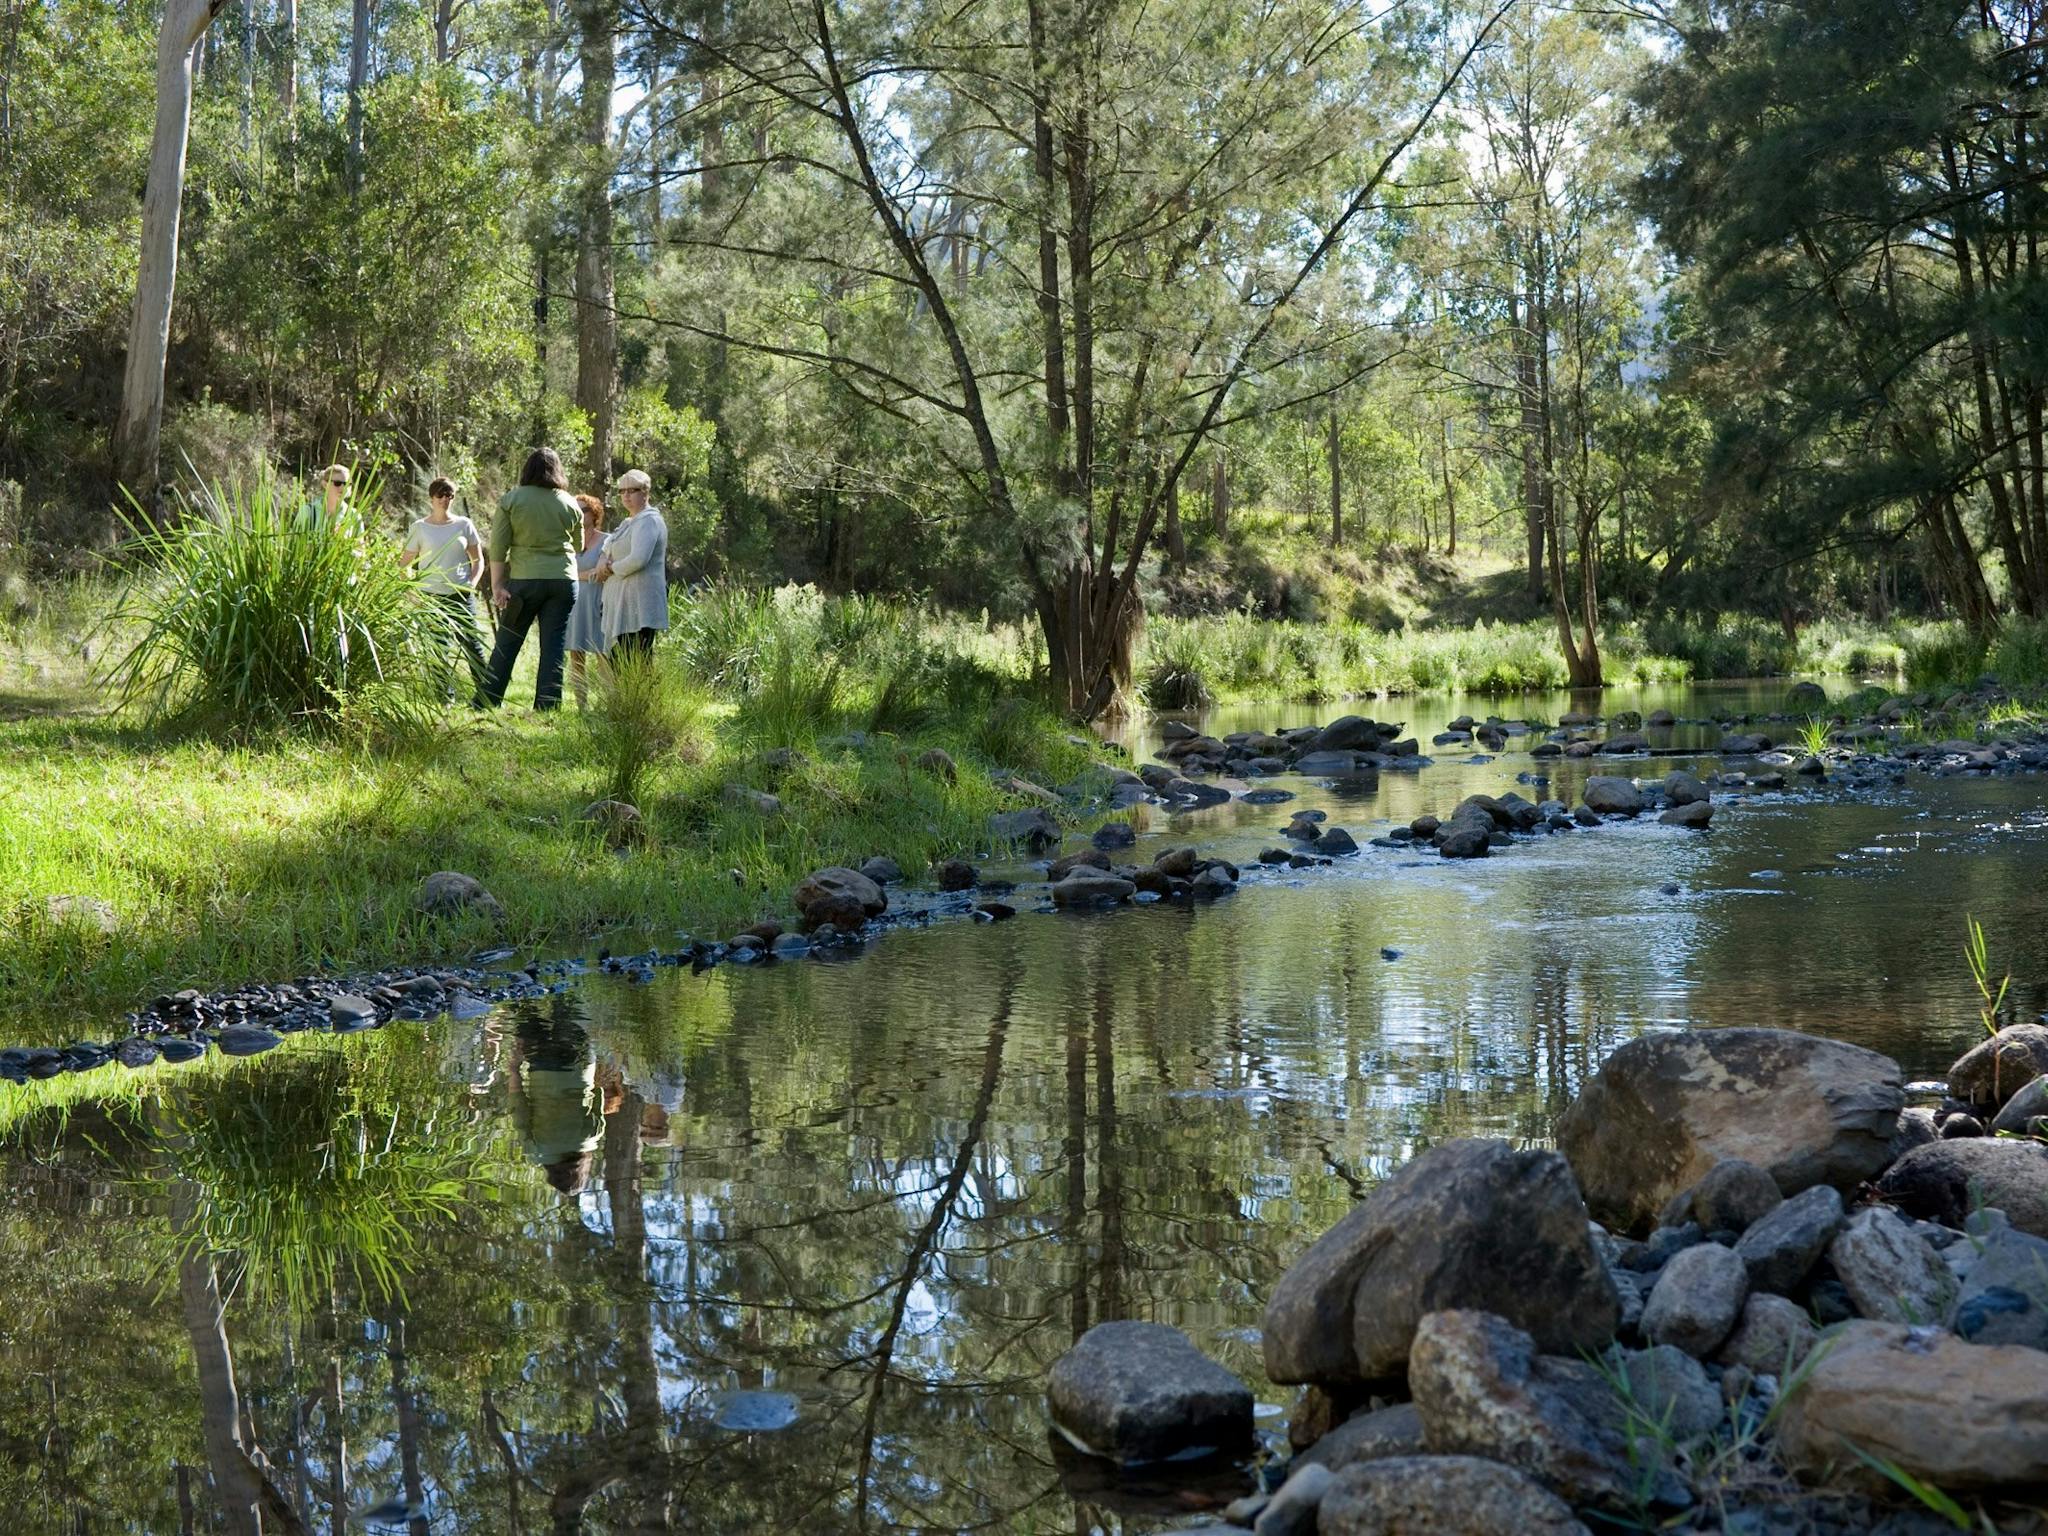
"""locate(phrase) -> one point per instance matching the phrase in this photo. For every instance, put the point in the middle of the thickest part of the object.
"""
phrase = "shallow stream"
(790, 1248)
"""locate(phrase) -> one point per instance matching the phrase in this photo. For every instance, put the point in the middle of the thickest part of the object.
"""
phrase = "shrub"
(243, 619)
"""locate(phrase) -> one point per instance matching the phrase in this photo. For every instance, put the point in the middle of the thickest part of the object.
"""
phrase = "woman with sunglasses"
(450, 557)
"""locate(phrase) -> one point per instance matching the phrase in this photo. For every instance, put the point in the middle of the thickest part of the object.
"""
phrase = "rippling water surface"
(791, 1248)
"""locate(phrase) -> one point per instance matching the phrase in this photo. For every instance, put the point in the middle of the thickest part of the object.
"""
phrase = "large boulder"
(1946, 1180)
(1667, 1106)
(1953, 1414)
(1999, 1066)
(1137, 1392)
(1890, 1271)
(1483, 1390)
(1467, 1224)
(1442, 1496)
(1695, 814)
(843, 897)
(1612, 796)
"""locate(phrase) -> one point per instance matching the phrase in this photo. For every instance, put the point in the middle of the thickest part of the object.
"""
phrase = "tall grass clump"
(1174, 666)
(243, 620)
(2019, 656)
(1944, 654)
(645, 710)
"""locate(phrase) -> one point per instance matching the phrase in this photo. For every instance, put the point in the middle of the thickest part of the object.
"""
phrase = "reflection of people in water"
(560, 1097)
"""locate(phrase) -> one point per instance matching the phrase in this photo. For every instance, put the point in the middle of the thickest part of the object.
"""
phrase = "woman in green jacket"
(533, 577)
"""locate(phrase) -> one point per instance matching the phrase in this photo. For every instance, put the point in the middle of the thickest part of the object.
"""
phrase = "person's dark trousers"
(638, 642)
(462, 630)
(546, 603)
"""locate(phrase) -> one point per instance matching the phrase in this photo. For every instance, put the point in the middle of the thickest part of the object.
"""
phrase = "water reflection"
(792, 1248)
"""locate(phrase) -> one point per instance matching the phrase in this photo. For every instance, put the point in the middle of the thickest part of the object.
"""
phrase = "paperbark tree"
(139, 428)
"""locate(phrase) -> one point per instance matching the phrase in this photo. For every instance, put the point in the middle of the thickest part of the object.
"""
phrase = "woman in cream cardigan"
(634, 570)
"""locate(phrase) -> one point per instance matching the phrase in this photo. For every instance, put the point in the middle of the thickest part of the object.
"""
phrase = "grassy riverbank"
(196, 861)
(136, 859)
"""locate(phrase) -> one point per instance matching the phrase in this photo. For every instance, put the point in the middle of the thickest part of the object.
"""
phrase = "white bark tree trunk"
(597, 324)
(140, 424)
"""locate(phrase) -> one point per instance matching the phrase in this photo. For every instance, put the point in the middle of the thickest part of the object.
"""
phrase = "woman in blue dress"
(586, 619)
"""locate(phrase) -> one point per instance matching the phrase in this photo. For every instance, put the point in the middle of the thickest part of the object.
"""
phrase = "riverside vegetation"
(281, 773)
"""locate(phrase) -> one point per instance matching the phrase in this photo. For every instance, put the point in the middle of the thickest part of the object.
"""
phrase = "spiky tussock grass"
(246, 616)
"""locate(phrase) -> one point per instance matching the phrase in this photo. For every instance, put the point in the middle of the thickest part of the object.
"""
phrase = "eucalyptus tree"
(1055, 236)
(139, 428)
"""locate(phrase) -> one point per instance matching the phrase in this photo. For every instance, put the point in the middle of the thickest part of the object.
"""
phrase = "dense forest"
(1067, 309)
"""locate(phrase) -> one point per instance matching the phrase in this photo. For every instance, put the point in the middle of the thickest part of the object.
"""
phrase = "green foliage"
(674, 446)
(1813, 737)
(245, 617)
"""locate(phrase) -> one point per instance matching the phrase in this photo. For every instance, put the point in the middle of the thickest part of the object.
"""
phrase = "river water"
(792, 1248)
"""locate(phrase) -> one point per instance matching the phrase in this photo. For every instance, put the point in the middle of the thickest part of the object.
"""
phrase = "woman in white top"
(586, 619)
(634, 570)
(450, 557)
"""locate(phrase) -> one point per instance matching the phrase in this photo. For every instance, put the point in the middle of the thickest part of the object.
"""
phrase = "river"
(790, 1248)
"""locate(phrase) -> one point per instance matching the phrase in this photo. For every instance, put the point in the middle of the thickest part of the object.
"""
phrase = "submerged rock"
(1664, 1108)
(1136, 1392)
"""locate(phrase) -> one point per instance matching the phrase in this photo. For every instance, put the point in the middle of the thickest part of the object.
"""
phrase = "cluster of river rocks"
(1752, 1291)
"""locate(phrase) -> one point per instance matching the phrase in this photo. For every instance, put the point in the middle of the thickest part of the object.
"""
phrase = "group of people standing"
(550, 563)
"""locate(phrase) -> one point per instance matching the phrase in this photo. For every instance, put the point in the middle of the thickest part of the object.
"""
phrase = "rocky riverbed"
(1755, 1289)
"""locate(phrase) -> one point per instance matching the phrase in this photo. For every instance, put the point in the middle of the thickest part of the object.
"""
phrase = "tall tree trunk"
(358, 78)
(1336, 483)
(1535, 518)
(597, 322)
(1450, 494)
(139, 427)
(1176, 537)
(247, 83)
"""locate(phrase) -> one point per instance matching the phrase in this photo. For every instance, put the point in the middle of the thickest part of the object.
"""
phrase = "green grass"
(269, 855)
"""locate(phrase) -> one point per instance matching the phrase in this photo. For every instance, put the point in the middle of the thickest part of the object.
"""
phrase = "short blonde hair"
(335, 474)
